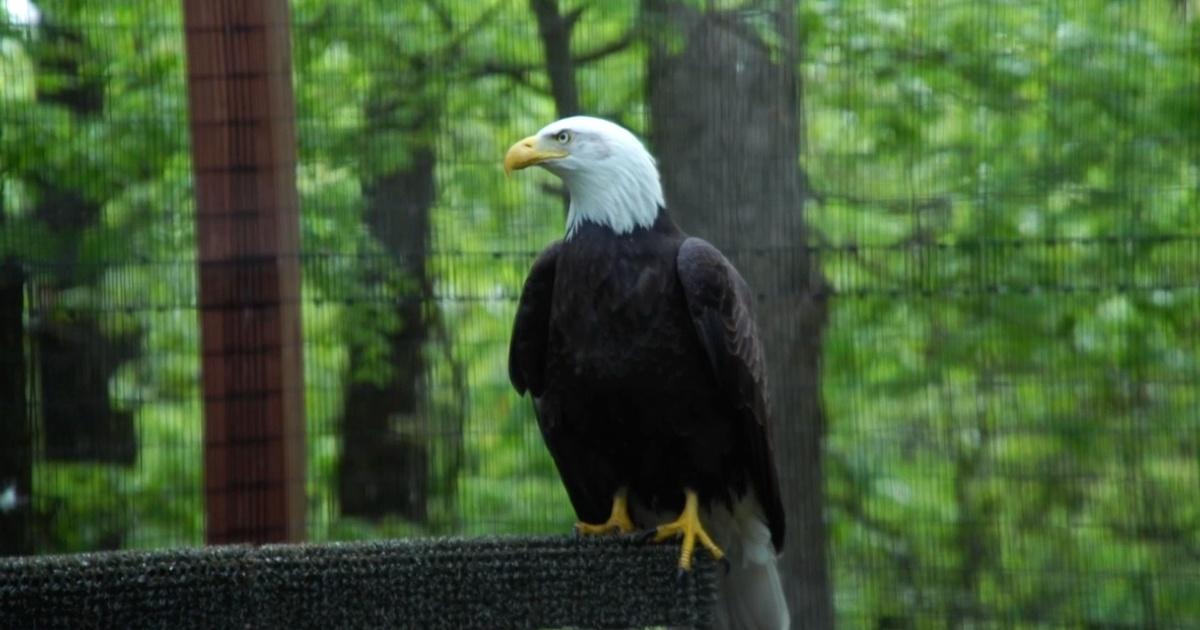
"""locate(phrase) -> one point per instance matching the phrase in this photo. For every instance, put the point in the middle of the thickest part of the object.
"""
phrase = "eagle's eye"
(563, 137)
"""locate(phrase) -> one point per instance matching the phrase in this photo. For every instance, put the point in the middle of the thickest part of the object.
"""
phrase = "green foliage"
(1006, 206)
(1009, 201)
(132, 160)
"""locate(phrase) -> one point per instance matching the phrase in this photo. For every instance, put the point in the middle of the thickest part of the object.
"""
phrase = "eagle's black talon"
(681, 577)
(727, 564)
(645, 536)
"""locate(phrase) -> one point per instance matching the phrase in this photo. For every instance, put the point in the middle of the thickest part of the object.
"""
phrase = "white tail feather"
(751, 594)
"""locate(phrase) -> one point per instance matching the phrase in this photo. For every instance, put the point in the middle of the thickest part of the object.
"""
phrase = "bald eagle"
(638, 346)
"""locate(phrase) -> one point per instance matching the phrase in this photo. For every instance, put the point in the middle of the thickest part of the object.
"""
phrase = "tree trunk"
(385, 467)
(75, 359)
(555, 31)
(16, 454)
(725, 124)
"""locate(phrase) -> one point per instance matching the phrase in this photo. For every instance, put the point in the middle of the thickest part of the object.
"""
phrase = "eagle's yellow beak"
(529, 152)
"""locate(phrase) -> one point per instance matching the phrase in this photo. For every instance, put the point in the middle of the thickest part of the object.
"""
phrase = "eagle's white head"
(611, 177)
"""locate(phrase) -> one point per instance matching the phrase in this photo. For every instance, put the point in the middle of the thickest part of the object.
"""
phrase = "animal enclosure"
(972, 230)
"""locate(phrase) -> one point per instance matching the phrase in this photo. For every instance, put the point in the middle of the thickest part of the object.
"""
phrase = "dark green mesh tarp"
(417, 583)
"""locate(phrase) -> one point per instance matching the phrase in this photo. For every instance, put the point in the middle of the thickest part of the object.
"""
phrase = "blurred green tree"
(76, 358)
(95, 171)
(1008, 199)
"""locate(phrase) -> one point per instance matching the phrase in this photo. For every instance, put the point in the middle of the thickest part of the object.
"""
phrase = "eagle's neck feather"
(623, 196)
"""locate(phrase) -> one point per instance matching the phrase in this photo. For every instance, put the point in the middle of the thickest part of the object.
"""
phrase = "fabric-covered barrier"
(509, 582)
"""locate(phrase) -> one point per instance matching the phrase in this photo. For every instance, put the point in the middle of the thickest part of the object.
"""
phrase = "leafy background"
(1005, 199)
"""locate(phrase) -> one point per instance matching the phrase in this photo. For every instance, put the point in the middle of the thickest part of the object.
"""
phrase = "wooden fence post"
(247, 226)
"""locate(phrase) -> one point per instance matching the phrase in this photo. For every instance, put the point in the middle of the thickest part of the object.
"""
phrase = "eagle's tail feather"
(751, 593)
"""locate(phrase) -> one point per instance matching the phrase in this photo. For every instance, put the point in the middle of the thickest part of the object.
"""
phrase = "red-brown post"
(247, 226)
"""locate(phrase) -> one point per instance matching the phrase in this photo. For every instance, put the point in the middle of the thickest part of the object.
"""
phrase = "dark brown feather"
(721, 306)
(531, 326)
(642, 356)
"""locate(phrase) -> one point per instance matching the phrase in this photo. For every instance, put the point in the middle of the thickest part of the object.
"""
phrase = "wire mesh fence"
(973, 230)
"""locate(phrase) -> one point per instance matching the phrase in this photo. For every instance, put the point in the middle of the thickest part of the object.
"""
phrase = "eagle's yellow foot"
(618, 521)
(688, 526)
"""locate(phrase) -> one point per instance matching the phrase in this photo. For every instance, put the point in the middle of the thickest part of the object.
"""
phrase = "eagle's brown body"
(640, 350)
(641, 356)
